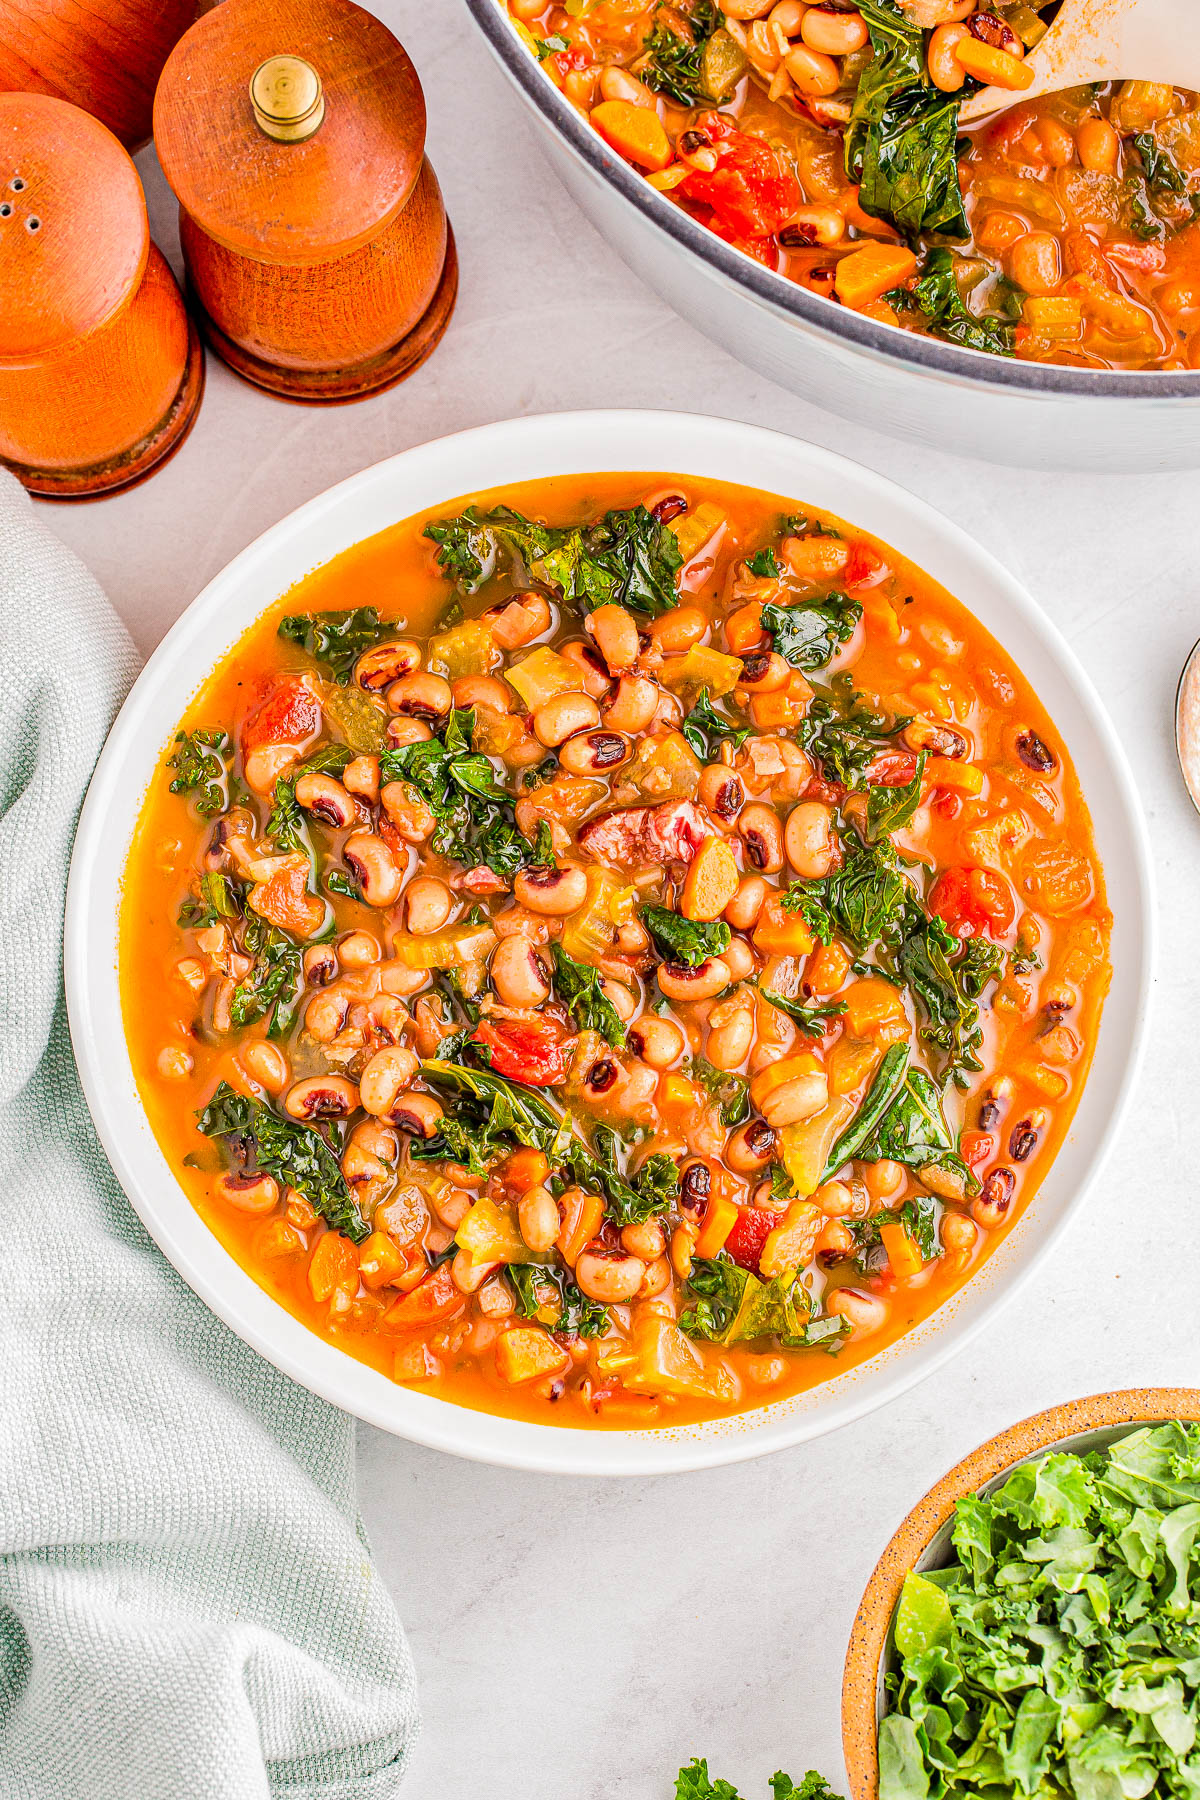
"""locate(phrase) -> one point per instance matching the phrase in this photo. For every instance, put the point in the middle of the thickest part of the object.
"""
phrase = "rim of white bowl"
(424, 478)
(930, 356)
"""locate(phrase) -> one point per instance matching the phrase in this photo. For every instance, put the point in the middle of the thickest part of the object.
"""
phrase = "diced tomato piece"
(574, 58)
(865, 568)
(892, 768)
(528, 1050)
(750, 191)
(1004, 137)
(946, 803)
(745, 1242)
(436, 1299)
(976, 1147)
(832, 793)
(973, 901)
(289, 713)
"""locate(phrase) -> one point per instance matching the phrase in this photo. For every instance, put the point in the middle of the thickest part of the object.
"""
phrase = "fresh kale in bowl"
(1058, 1654)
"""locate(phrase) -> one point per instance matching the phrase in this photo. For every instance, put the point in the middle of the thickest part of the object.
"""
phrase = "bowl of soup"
(796, 181)
(605, 969)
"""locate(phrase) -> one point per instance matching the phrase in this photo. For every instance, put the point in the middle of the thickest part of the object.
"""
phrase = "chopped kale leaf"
(688, 942)
(295, 1155)
(337, 639)
(198, 761)
(810, 635)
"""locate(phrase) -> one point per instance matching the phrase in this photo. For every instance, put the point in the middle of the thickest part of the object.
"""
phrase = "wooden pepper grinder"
(319, 257)
(103, 55)
(101, 371)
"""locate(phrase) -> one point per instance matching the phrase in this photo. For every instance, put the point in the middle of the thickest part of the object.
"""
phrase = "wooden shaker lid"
(290, 198)
(74, 237)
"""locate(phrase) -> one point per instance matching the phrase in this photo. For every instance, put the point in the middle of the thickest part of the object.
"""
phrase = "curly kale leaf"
(706, 729)
(580, 989)
(199, 763)
(938, 296)
(625, 558)
(810, 635)
(552, 1298)
(474, 813)
(295, 1155)
(688, 942)
(337, 639)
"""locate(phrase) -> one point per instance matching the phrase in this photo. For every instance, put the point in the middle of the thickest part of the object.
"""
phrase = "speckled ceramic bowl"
(923, 1541)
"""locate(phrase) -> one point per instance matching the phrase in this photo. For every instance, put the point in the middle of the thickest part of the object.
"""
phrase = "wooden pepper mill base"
(125, 471)
(328, 387)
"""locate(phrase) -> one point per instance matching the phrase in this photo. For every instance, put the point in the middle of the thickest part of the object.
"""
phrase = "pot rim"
(1121, 1412)
(882, 343)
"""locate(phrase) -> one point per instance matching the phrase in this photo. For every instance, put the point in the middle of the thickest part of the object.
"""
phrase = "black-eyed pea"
(612, 1280)
(865, 1313)
(595, 677)
(518, 974)
(385, 1078)
(451, 1204)
(421, 696)
(265, 1063)
(739, 959)
(614, 632)
(401, 732)
(750, 1147)
(539, 1220)
(519, 621)
(266, 764)
(721, 792)
(361, 777)
(428, 904)
(679, 629)
(764, 671)
(249, 1193)
(594, 752)
(815, 74)
(375, 868)
(945, 70)
(658, 1042)
(836, 1200)
(359, 950)
(958, 1233)
(991, 1205)
(743, 910)
(647, 1240)
(619, 84)
(327, 800)
(468, 1275)
(407, 811)
(398, 977)
(321, 1097)
(632, 706)
(482, 690)
(833, 32)
(636, 1088)
(656, 1280)
(378, 668)
(730, 1035)
(809, 840)
(884, 1178)
(320, 965)
(551, 892)
(709, 978)
(683, 1243)
(420, 1115)
(620, 996)
(759, 829)
(174, 1063)
(561, 717)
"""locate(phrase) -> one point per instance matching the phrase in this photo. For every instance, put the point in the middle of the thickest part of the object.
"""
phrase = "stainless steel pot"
(1033, 415)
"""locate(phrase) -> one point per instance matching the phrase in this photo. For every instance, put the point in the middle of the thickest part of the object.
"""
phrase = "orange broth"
(915, 651)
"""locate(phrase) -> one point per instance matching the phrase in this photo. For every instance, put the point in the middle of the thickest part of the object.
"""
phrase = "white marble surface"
(579, 1640)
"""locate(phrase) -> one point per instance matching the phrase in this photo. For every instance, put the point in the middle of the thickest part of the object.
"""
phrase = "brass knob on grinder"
(287, 97)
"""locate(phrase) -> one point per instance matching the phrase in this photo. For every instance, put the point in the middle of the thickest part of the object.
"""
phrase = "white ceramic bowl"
(1034, 415)
(423, 479)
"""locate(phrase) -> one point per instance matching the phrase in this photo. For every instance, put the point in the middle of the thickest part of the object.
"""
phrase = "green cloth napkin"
(188, 1607)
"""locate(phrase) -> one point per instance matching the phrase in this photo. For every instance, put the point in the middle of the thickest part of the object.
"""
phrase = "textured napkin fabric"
(188, 1608)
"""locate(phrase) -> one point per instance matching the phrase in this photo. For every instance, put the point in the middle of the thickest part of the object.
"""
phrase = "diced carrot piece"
(995, 68)
(677, 1098)
(778, 1074)
(711, 881)
(902, 1253)
(868, 273)
(828, 967)
(875, 1008)
(526, 1352)
(720, 1217)
(636, 132)
(744, 628)
(963, 777)
(781, 933)
(525, 1169)
(380, 1260)
(778, 711)
(436, 1299)
(333, 1265)
(583, 1216)
(999, 230)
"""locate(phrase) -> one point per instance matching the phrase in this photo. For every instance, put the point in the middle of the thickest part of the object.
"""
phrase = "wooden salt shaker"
(293, 133)
(103, 55)
(101, 372)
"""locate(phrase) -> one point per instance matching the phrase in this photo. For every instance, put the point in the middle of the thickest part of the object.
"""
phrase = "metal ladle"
(1106, 40)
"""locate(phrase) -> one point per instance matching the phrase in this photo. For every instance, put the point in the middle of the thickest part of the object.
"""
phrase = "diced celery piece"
(542, 676)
